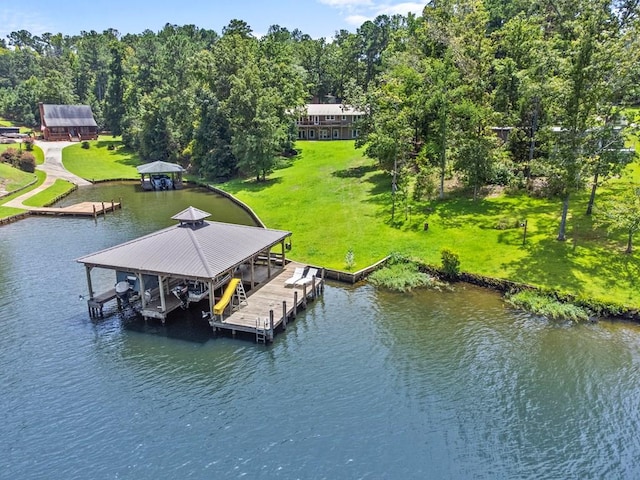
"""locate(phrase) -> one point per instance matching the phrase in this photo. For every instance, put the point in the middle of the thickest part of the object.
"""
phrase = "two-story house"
(328, 121)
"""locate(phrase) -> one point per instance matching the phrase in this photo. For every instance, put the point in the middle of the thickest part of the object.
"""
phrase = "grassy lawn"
(12, 179)
(49, 195)
(99, 163)
(335, 200)
(8, 211)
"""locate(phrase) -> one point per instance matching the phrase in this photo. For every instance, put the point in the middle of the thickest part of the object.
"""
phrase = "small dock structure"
(272, 305)
(241, 270)
(82, 209)
(160, 176)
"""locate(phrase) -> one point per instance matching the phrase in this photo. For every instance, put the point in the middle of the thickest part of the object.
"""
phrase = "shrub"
(547, 306)
(28, 144)
(27, 162)
(450, 263)
(349, 259)
(85, 145)
(10, 156)
(402, 274)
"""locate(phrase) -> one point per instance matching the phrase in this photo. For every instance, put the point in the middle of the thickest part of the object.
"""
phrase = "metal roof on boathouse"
(195, 248)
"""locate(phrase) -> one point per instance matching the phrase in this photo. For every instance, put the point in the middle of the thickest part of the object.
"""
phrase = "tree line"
(556, 77)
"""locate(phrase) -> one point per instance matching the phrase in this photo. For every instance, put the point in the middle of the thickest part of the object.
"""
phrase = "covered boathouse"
(160, 176)
(196, 260)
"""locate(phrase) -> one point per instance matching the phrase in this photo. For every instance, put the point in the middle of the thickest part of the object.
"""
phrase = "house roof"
(159, 167)
(331, 109)
(203, 251)
(68, 116)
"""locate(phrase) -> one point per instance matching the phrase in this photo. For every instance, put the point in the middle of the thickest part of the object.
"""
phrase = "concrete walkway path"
(54, 169)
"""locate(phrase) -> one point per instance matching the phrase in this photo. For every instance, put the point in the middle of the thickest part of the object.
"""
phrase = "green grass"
(12, 179)
(335, 200)
(99, 163)
(9, 211)
(50, 194)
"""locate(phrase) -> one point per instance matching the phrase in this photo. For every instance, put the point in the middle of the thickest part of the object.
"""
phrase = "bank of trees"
(554, 75)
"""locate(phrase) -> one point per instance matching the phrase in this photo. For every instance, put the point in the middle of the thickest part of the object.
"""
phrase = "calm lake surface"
(364, 384)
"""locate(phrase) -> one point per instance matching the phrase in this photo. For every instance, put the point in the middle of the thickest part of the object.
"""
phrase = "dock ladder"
(261, 331)
(240, 296)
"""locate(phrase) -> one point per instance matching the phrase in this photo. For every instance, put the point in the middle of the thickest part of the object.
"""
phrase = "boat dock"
(270, 306)
(82, 209)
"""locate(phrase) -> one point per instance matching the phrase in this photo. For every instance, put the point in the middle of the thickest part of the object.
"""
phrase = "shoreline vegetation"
(331, 190)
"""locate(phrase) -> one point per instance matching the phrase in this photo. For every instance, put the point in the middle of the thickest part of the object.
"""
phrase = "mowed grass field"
(334, 200)
(98, 162)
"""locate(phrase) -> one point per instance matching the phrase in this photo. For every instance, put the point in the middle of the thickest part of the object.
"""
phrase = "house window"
(336, 134)
(344, 117)
(355, 133)
(312, 134)
(324, 133)
(330, 117)
(316, 119)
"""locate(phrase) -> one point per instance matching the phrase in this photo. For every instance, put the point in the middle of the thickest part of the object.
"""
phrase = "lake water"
(364, 384)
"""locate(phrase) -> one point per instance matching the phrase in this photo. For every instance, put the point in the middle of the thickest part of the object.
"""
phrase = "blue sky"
(318, 18)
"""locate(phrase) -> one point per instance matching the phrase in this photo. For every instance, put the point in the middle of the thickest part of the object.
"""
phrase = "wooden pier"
(83, 209)
(271, 306)
(96, 304)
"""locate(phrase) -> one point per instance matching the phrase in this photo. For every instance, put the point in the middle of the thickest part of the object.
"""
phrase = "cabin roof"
(203, 251)
(159, 167)
(68, 116)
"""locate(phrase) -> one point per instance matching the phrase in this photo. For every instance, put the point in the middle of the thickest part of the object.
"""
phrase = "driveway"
(54, 169)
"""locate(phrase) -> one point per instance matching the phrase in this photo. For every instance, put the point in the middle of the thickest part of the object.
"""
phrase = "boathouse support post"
(143, 299)
(313, 288)
(295, 304)
(269, 264)
(161, 289)
(211, 300)
(304, 295)
(253, 272)
(89, 284)
(284, 314)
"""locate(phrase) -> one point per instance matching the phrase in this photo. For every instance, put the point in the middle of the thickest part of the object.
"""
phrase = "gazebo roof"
(159, 167)
(191, 214)
(203, 251)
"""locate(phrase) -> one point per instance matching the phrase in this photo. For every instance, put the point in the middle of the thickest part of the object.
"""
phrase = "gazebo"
(160, 176)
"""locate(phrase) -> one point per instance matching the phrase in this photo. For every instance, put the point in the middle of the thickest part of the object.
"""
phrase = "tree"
(608, 156)
(623, 214)
(114, 110)
(588, 37)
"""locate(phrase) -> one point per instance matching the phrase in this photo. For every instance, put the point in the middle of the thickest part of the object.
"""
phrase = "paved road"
(54, 169)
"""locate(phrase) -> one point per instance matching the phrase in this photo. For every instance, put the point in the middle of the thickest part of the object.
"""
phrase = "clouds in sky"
(13, 19)
(356, 12)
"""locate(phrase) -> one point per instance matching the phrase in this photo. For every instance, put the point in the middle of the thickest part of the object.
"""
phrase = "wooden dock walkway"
(270, 306)
(83, 209)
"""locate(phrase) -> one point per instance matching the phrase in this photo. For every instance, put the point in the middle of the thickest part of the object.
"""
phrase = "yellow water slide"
(226, 297)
